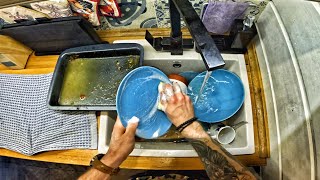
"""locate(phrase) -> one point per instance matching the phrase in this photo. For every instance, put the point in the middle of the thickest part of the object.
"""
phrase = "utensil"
(224, 134)
(239, 124)
(138, 96)
(222, 97)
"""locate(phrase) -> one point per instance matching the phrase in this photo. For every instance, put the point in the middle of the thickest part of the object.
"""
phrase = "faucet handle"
(248, 21)
(164, 43)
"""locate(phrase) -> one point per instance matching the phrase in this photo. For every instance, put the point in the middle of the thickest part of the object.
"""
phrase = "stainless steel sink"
(189, 61)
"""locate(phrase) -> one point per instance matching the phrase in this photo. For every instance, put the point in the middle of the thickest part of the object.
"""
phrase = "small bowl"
(189, 75)
(178, 78)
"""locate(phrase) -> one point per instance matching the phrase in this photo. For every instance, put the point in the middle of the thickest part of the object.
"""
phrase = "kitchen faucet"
(203, 41)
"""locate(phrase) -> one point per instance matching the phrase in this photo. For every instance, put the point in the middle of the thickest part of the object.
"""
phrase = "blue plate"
(138, 96)
(222, 96)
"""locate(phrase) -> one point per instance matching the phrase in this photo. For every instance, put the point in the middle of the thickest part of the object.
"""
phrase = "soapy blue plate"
(138, 96)
(222, 96)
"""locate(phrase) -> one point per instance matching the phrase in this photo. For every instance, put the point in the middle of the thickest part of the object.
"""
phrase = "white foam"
(156, 134)
(134, 119)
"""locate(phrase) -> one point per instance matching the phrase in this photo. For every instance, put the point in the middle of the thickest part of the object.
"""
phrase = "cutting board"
(13, 54)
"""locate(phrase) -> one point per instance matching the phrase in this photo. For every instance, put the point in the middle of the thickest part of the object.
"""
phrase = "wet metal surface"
(94, 81)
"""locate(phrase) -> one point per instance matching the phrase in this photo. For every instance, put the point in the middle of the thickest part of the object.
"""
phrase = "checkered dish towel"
(27, 126)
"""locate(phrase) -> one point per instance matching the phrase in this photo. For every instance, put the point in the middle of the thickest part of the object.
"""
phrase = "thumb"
(132, 126)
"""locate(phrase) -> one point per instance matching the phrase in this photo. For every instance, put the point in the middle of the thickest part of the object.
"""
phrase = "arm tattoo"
(217, 165)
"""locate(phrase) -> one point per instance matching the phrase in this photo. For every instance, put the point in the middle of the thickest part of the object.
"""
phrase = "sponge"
(160, 91)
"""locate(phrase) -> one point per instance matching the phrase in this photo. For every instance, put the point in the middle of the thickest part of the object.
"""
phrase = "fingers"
(163, 102)
(167, 95)
(168, 90)
(132, 126)
(189, 103)
(161, 87)
(180, 97)
(178, 93)
(118, 128)
(176, 88)
(172, 97)
(163, 98)
(170, 94)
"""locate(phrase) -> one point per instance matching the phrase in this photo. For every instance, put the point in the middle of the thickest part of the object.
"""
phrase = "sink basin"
(189, 61)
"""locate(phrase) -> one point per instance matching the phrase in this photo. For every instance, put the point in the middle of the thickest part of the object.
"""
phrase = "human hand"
(176, 105)
(179, 108)
(121, 144)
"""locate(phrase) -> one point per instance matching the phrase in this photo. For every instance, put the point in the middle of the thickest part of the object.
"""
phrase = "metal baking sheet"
(87, 78)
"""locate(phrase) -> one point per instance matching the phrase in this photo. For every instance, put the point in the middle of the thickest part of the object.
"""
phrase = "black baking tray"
(92, 77)
(52, 36)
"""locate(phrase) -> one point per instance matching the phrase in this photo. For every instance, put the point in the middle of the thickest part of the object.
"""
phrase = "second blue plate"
(222, 96)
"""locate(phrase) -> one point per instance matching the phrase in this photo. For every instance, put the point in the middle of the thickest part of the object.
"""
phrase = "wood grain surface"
(10, 46)
(46, 64)
(258, 102)
(13, 51)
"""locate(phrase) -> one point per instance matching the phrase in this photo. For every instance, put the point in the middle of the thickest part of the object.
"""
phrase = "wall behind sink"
(288, 49)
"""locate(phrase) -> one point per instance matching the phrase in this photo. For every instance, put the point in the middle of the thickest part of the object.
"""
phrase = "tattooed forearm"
(218, 163)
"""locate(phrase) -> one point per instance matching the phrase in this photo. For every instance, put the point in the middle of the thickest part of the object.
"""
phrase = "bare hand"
(179, 108)
(121, 145)
(177, 105)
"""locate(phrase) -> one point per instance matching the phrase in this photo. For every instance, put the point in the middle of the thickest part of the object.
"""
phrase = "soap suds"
(156, 134)
(161, 96)
(134, 119)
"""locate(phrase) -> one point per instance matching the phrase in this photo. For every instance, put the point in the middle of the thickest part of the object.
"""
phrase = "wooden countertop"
(46, 64)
